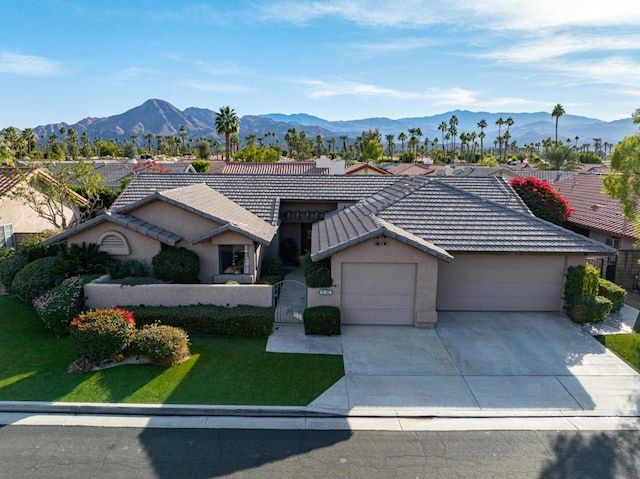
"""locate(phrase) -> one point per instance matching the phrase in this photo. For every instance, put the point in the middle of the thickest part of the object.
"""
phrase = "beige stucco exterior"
(390, 251)
(504, 282)
(25, 220)
(189, 226)
(625, 242)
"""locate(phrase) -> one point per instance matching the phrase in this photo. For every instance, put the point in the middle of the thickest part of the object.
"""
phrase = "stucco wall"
(393, 252)
(25, 220)
(509, 282)
(625, 243)
(108, 295)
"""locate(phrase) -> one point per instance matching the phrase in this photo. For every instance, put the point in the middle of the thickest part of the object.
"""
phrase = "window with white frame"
(7, 239)
(613, 241)
(233, 259)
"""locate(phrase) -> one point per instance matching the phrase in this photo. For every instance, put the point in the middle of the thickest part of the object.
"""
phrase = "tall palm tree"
(444, 128)
(557, 112)
(30, 137)
(227, 124)
(149, 137)
(402, 137)
(344, 139)
(183, 135)
(482, 124)
(453, 129)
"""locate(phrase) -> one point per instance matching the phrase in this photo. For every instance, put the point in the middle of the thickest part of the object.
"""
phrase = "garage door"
(378, 293)
(501, 283)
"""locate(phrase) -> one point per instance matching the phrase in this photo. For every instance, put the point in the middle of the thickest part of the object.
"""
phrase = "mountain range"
(162, 118)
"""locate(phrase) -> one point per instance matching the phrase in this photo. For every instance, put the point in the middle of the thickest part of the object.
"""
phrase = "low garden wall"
(101, 295)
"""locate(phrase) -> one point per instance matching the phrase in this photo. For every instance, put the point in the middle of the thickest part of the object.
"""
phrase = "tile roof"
(8, 181)
(550, 176)
(262, 194)
(411, 169)
(593, 209)
(130, 222)
(208, 203)
(279, 168)
(445, 215)
(351, 169)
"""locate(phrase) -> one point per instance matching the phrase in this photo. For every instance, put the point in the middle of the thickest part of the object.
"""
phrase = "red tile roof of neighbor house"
(351, 169)
(279, 168)
(412, 169)
(8, 181)
(593, 209)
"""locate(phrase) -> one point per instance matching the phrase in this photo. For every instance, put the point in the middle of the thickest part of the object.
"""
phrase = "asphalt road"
(84, 452)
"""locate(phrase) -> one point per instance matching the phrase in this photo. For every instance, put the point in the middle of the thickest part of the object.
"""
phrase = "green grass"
(626, 346)
(222, 370)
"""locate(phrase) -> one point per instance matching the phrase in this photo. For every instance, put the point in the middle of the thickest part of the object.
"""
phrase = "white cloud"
(488, 14)
(393, 46)
(617, 70)
(28, 65)
(215, 87)
(132, 72)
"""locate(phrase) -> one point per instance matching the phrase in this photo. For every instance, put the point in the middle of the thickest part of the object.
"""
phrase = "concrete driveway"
(479, 364)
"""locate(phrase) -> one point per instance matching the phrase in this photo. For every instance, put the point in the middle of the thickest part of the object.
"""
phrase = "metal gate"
(289, 301)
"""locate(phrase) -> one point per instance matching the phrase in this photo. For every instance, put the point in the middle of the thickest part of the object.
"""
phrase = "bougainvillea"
(103, 333)
(59, 305)
(542, 199)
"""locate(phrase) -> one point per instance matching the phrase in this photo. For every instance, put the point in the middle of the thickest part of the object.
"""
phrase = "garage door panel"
(501, 283)
(378, 293)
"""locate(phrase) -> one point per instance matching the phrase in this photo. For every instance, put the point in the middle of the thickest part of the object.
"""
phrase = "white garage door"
(378, 293)
(501, 283)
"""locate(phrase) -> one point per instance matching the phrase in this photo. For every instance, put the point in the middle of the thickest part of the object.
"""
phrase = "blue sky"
(64, 60)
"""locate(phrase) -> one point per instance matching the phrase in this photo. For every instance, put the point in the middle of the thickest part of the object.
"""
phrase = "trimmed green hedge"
(35, 279)
(323, 320)
(251, 321)
(616, 294)
(9, 269)
(177, 265)
(589, 309)
(163, 345)
(318, 274)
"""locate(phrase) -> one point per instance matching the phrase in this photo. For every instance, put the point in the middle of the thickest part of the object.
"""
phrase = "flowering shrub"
(163, 345)
(542, 199)
(102, 334)
(150, 165)
(59, 305)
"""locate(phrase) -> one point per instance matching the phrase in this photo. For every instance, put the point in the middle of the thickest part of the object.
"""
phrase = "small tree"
(542, 199)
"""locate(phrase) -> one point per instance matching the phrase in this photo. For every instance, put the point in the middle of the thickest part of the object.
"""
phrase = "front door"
(305, 237)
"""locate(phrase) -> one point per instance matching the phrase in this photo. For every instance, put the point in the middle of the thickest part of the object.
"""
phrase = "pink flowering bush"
(102, 334)
(59, 305)
(163, 345)
(542, 199)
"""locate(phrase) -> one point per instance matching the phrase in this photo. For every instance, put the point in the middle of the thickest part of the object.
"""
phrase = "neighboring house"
(599, 217)
(508, 173)
(18, 221)
(113, 173)
(401, 249)
(365, 169)
(279, 168)
(412, 169)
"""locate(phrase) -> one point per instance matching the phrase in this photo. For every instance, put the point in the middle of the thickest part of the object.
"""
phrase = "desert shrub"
(616, 294)
(163, 345)
(77, 259)
(231, 281)
(9, 268)
(272, 267)
(58, 306)
(324, 320)
(201, 166)
(177, 265)
(251, 321)
(6, 253)
(317, 274)
(127, 268)
(289, 251)
(102, 334)
(581, 280)
(589, 309)
(33, 249)
(35, 279)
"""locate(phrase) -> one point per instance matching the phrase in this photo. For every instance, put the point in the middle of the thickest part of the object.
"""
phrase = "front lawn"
(222, 370)
(627, 346)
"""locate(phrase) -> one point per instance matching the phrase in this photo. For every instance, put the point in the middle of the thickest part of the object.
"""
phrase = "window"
(6, 236)
(613, 242)
(234, 259)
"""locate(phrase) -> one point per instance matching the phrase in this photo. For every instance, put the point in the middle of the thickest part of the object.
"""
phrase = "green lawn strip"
(626, 346)
(222, 370)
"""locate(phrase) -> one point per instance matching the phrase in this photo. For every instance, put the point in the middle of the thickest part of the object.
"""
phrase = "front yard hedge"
(589, 309)
(9, 268)
(35, 279)
(616, 294)
(322, 320)
(249, 321)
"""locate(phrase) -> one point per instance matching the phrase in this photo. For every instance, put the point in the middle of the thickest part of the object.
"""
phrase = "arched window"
(114, 243)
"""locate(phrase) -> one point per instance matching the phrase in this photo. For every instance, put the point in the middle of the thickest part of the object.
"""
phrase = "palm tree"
(344, 139)
(72, 140)
(319, 145)
(482, 124)
(84, 141)
(390, 144)
(575, 148)
(557, 112)
(149, 137)
(402, 137)
(443, 127)
(30, 137)
(559, 158)
(453, 129)
(227, 124)
(183, 135)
